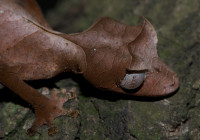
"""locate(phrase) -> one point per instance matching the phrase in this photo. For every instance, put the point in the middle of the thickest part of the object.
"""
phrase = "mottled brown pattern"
(30, 50)
(114, 49)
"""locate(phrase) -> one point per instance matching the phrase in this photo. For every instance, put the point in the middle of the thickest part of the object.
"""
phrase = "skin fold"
(110, 55)
(115, 50)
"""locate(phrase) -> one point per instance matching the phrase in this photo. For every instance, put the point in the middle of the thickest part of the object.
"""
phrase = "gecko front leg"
(46, 109)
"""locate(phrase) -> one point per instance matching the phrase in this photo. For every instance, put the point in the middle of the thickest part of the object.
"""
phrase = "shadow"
(87, 90)
(45, 5)
(6, 95)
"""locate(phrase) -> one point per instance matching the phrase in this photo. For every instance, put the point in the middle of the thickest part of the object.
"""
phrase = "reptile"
(110, 55)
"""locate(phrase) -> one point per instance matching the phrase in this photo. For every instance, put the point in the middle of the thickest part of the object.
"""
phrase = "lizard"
(110, 55)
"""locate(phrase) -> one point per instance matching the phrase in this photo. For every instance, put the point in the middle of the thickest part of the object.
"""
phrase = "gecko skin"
(110, 55)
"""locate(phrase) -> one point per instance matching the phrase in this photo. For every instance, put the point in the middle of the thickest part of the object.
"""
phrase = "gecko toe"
(52, 129)
(52, 109)
(54, 94)
(36, 124)
(72, 113)
(31, 132)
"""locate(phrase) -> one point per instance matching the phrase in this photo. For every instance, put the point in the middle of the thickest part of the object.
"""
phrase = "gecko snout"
(172, 86)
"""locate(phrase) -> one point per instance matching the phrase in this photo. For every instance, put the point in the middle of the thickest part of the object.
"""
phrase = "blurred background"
(109, 116)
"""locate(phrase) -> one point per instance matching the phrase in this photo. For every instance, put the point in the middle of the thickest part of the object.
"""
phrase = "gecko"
(111, 55)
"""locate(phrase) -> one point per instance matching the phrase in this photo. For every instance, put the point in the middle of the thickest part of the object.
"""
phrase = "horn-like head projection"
(124, 59)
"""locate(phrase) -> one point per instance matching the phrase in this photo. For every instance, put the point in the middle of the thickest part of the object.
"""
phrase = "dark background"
(109, 116)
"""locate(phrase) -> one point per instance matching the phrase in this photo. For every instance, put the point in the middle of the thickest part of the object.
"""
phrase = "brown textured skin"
(27, 52)
(114, 49)
(30, 50)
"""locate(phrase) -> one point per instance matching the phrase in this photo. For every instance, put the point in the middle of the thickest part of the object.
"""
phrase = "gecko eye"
(132, 81)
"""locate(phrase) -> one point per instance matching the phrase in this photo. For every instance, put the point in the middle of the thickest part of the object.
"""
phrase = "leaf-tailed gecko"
(110, 55)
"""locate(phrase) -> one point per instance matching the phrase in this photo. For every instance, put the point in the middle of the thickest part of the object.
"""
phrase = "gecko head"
(124, 59)
(147, 75)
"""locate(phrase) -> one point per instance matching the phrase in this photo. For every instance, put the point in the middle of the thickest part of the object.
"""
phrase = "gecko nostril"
(157, 69)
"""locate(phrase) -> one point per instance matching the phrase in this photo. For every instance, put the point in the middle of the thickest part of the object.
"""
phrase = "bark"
(110, 116)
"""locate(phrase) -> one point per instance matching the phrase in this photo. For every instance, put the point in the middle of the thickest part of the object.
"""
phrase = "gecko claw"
(72, 113)
(52, 131)
(31, 132)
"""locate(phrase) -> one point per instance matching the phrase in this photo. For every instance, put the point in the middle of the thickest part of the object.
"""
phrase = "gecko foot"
(47, 112)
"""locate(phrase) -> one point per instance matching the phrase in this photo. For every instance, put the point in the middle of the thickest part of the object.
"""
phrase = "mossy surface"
(111, 116)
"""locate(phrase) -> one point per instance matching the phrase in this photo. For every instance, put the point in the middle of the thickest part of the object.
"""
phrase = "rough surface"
(111, 116)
